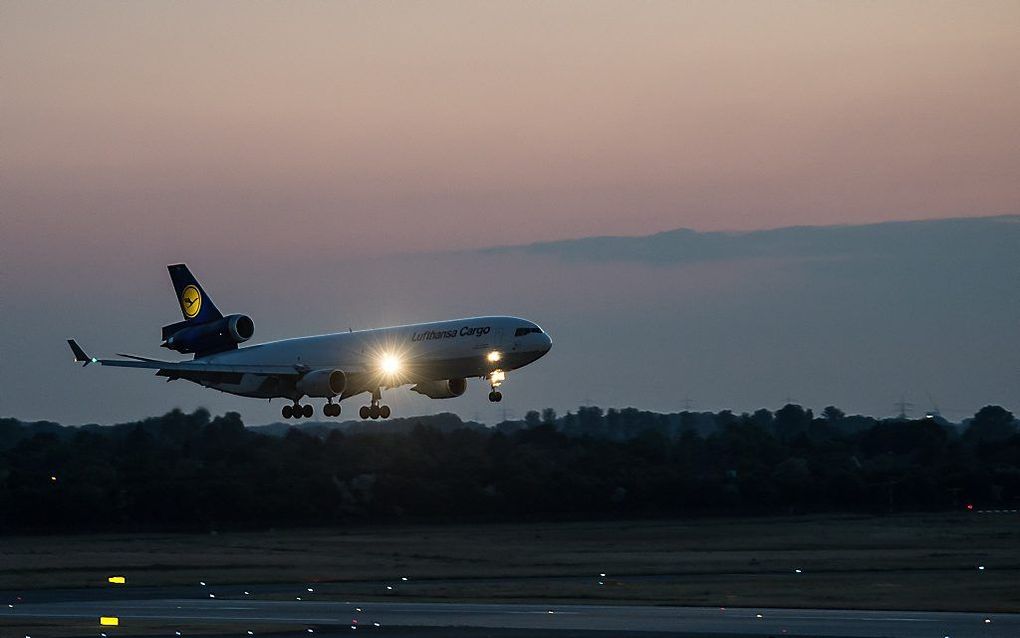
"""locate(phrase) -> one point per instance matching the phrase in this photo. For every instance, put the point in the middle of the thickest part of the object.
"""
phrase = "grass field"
(924, 562)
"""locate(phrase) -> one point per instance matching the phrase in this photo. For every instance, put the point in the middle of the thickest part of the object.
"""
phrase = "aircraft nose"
(546, 342)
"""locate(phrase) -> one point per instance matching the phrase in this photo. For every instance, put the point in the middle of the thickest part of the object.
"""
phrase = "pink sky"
(260, 129)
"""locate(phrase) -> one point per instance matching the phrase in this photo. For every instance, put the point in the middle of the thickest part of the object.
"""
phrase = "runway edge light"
(117, 580)
(109, 621)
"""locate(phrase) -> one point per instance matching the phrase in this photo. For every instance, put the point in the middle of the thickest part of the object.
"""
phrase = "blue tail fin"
(196, 306)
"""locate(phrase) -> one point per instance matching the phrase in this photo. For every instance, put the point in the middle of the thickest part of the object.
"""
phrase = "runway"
(332, 618)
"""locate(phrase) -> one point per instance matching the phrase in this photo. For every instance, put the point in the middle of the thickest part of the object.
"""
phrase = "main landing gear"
(375, 411)
(331, 409)
(496, 379)
(297, 411)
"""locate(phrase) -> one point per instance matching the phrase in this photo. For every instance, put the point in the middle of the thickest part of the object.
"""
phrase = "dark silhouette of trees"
(532, 419)
(791, 421)
(833, 414)
(992, 424)
(194, 471)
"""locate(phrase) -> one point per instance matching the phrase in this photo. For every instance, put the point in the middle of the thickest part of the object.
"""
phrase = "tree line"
(198, 472)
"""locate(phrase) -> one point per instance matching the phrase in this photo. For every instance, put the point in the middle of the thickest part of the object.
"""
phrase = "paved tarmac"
(330, 617)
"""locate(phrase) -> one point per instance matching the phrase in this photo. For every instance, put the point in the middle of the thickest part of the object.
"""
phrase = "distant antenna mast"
(935, 412)
(903, 406)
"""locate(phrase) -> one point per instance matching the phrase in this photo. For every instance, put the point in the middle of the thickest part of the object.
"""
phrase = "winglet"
(79, 354)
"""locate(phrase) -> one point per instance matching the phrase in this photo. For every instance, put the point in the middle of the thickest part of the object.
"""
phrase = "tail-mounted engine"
(446, 389)
(210, 337)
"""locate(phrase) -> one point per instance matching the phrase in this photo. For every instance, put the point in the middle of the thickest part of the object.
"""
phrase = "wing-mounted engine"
(322, 383)
(210, 337)
(445, 389)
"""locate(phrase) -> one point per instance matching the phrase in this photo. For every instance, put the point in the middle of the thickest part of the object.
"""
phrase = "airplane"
(436, 359)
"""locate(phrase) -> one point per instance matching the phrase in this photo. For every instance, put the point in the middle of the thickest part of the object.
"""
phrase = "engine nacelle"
(445, 389)
(212, 336)
(240, 327)
(322, 383)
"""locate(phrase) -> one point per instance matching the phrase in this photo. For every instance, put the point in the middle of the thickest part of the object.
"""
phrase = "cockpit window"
(520, 332)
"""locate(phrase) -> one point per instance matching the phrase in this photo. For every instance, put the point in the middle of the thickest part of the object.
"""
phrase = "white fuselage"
(459, 348)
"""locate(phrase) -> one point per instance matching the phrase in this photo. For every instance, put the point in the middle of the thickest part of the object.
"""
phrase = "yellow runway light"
(117, 580)
(109, 621)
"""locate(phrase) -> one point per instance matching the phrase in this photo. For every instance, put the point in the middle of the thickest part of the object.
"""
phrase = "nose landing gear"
(375, 411)
(496, 379)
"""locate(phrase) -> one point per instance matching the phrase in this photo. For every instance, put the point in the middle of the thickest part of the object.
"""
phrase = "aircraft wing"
(182, 368)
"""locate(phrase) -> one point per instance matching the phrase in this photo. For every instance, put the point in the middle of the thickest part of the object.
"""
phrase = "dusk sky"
(283, 142)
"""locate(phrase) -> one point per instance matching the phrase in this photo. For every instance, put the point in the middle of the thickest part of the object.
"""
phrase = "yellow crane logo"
(191, 301)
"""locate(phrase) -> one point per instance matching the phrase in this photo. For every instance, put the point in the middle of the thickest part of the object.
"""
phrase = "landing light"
(389, 364)
(494, 356)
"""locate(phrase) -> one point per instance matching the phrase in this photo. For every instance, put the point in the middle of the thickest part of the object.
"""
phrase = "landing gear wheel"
(495, 396)
(287, 411)
(374, 410)
(331, 409)
(308, 410)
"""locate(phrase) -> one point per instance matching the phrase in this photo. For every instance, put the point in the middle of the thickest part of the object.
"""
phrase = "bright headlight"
(389, 364)
(494, 356)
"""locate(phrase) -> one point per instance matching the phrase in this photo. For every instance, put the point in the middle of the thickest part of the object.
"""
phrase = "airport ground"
(957, 562)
